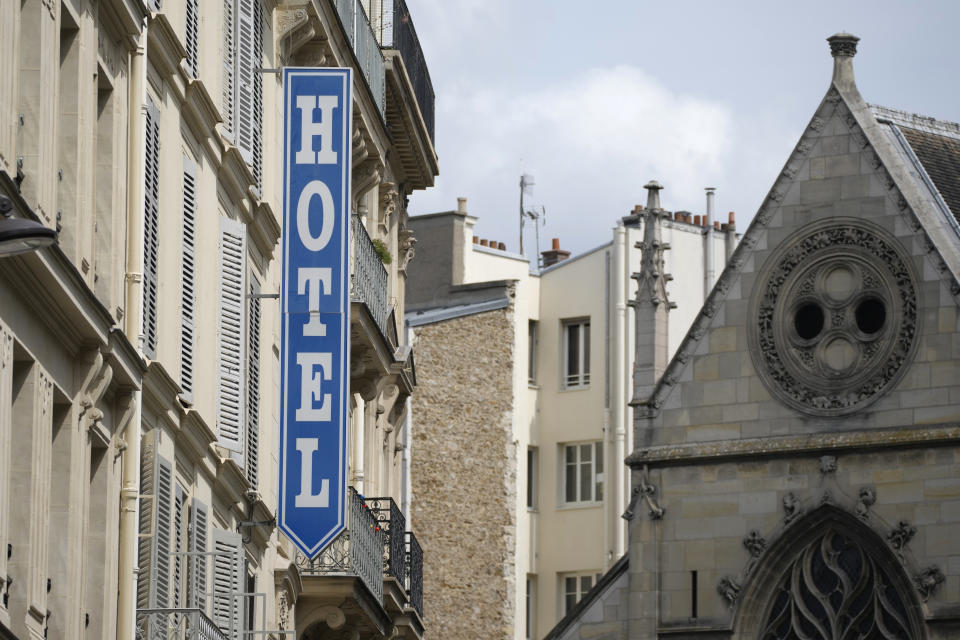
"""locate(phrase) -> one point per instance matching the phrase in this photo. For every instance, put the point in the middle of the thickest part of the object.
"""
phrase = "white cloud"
(591, 142)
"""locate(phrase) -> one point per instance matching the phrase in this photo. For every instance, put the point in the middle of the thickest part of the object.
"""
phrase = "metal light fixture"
(20, 236)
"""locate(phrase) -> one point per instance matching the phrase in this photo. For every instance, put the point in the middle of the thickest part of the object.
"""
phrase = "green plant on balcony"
(381, 248)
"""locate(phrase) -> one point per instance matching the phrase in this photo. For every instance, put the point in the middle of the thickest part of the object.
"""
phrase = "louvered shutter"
(197, 589)
(179, 545)
(228, 582)
(257, 77)
(155, 5)
(188, 295)
(151, 229)
(230, 406)
(148, 492)
(192, 37)
(156, 524)
(253, 384)
(229, 57)
(163, 539)
(245, 73)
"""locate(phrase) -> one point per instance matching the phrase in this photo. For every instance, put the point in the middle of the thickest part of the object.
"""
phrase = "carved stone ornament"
(283, 610)
(791, 507)
(928, 581)
(729, 588)
(648, 493)
(837, 322)
(901, 535)
(754, 543)
(866, 500)
(828, 464)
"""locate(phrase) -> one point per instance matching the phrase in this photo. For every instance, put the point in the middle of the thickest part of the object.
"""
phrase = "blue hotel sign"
(315, 306)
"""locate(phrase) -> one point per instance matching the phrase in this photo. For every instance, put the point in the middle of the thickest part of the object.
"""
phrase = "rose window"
(837, 318)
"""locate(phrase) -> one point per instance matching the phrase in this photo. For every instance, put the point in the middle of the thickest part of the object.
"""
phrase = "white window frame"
(580, 377)
(533, 465)
(533, 331)
(583, 581)
(594, 495)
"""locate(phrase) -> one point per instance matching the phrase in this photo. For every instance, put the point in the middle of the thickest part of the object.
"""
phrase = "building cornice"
(694, 453)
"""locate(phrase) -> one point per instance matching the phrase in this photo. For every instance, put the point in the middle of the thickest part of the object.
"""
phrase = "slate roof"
(936, 145)
(940, 156)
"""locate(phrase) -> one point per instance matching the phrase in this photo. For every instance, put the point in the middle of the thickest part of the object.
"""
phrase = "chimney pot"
(476, 239)
(716, 225)
(461, 205)
(484, 243)
(501, 246)
(696, 220)
(732, 218)
(556, 244)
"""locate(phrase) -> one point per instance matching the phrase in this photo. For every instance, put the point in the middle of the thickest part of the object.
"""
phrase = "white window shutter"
(151, 229)
(197, 589)
(257, 116)
(179, 545)
(148, 492)
(192, 37)
(228, 580)
(245, 72)
(231, 366)
(253, 384)
(162, 537)
(229, 57)
(188, 277)
(156, 525)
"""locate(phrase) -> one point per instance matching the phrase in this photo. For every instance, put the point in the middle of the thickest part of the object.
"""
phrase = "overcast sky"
(594, 99)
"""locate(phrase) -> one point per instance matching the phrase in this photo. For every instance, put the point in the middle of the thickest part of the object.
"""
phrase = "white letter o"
(315, 188)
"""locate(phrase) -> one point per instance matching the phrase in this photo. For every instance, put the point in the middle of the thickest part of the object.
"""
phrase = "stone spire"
(651, 303)
(843, 46)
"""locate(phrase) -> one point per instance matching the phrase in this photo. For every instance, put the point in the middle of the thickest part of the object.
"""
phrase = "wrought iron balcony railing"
(368, 282)
(399, 33)
(357, 551)
(415, 573)
(176, 624)
(365, 47)
(393, 523)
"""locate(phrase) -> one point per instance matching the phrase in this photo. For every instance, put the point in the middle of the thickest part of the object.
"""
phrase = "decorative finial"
(843, 44)
(653, 194)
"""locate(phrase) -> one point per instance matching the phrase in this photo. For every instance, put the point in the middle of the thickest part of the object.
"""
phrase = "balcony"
(415, 573)
(176, 624)
(368, 280)
(356, 24)
(410, 97)
(397, 32)
(357, 551)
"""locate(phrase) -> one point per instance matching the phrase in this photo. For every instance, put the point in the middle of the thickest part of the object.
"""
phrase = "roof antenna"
(526, 182)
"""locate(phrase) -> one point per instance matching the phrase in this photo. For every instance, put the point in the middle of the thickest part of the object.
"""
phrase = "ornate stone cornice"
(694, 453)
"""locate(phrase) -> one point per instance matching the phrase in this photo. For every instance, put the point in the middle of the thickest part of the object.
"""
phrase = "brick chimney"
(555, 254)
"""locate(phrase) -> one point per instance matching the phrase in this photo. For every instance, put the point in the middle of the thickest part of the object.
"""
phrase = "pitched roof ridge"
(590, 597)
(916, 121)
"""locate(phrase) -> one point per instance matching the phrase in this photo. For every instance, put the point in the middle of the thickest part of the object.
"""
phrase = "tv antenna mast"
(526, 184)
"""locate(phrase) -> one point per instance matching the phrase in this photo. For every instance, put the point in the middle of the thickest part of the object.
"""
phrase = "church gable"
(836, 304)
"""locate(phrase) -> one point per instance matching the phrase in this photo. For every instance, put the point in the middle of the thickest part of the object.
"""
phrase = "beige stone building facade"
(139, 373)
(795, 472)
(552, 416)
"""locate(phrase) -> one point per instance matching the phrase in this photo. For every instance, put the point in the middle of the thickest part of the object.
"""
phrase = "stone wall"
(463, 472)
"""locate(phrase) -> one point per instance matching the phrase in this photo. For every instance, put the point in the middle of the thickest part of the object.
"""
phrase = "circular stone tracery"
(837, 318)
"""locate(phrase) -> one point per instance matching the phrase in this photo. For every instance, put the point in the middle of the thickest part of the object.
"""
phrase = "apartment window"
(583, 472)
(531, 477)
(574, 586)
(532, 352)
(576, 353)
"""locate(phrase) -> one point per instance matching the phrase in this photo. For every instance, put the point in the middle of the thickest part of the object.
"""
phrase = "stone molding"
(690, 454)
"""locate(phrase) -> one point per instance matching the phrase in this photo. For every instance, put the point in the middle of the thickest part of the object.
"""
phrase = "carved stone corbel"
(366, 176)
(407, 242)
(293, 31)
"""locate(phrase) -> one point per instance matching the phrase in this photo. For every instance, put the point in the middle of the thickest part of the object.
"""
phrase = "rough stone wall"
(463, 474)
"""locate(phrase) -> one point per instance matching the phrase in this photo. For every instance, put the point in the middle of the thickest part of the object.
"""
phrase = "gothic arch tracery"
(828, 577)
